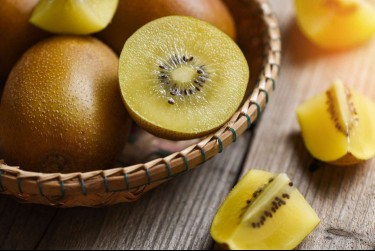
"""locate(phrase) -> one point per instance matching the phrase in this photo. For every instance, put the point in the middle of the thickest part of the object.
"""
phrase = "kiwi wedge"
(181, 77)
(78, 17)
(264, 211)
(338, 125)
(61, 110)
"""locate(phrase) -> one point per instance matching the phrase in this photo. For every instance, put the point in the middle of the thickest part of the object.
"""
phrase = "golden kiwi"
(181, 77)
(61, 110)
(16, 33)
(131, 15)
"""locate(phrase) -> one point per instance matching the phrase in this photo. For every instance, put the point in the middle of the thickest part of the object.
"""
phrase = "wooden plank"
(344, 197)
(177, 215)
(22, 226)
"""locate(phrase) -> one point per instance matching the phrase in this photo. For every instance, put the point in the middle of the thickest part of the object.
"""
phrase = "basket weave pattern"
(259, 38)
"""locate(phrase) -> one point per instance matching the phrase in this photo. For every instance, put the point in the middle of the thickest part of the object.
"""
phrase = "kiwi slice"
(79, 17)
(181, 77)
(264, 211)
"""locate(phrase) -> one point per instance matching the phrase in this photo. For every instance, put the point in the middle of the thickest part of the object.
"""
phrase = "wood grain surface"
(179, 213)
(344, 197)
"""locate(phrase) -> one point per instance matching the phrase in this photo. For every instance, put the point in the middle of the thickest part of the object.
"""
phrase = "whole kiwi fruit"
(16, 33)
(61, 109)
(131, 15)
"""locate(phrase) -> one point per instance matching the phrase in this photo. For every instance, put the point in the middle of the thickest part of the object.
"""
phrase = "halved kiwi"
(181, 77)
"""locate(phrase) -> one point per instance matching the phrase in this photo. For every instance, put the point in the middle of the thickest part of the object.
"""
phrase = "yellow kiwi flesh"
(182, 78)
(338, 126)
(264, 211)
(16, 33)
(61, 110)
(80, 17)
(319, 21)
(132, 15)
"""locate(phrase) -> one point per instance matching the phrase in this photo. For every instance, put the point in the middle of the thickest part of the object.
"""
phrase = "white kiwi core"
(183, 75)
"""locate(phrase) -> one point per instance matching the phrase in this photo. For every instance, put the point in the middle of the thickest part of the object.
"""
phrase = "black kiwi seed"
(200, 71)
(202, 79)
(191, 58)
(254, 225)
(291, 184)
(286, 196)
(199, 83)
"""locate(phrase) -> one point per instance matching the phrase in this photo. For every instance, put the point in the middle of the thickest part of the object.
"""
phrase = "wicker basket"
(259, 38)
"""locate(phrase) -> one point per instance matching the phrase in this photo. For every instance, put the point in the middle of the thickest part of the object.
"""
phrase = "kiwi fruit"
(79, 17)
(61, 109)
(132, 15)
(181, 77)
(16, 33)
(338, 125)
(264, 211)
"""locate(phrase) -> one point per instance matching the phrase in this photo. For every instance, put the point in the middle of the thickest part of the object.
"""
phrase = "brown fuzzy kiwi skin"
(16, 33)
(131, 15)
(61, 110)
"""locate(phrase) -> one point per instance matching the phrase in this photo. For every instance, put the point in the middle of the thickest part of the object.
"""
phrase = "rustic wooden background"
(178, 214)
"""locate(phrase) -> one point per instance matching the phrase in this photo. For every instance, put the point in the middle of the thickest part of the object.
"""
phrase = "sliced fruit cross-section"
(181, 77)
(79, 17)
(263, 211)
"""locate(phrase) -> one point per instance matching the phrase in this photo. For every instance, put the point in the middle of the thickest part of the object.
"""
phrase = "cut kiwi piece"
(79, 17)
(338, 126)
(319, 21)
(263, 211)
(181, 77)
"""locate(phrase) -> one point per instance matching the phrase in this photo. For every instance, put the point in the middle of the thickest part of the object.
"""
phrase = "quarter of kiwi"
(264, 211)
(79, 17)
(61, 110)
(133, 14)
(16, 33)
(181, 77)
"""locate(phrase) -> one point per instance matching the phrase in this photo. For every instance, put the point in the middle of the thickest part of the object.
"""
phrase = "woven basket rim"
(139, 178)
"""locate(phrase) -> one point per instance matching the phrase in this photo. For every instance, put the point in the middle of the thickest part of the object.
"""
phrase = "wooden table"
(178, 214)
